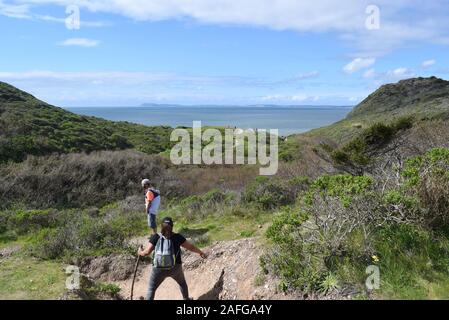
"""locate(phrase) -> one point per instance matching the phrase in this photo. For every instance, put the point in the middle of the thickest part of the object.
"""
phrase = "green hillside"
(29, 126)
(369, 191)
(421, 98)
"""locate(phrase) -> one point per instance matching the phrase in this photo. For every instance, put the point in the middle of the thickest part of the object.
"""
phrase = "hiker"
(167, 258)
(152, 202)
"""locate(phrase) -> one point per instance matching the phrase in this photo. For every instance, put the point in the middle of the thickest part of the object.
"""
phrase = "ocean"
(287, 119)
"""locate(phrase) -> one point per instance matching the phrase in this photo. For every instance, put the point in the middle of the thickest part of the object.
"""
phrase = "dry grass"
(199, 180)
(79, 180)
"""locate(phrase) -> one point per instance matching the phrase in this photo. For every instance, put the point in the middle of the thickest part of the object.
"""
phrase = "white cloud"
(402, 21)
(300, 97)
(400, 73)
(138, 78)
(79, 42)
(23, 11)
(133, 88)
(272, 97)
(358, 64)
(83, 23)
(389, 76)
(371, 73)
(320, 15)
(428, 63)
(14, 11)
(290, 98)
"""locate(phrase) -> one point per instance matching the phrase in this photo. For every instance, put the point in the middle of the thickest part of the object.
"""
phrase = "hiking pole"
(135, 272)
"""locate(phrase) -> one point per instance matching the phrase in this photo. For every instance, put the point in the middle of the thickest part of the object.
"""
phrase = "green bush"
(342, 186)
(52, 243)
(427, 178)
(299, 263)
(24, 221)
(283, 230)
(80, 234)
(200, 206)
(340, 156)
(345, 224)
(269, 193)
(378, 134)
(357, 150)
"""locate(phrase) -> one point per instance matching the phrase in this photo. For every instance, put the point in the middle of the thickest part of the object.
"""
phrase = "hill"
(29, 126)
(421, 98)
(424, 97)
(402, 119)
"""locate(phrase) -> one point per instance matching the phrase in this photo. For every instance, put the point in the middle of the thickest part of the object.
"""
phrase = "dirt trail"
(228, 273)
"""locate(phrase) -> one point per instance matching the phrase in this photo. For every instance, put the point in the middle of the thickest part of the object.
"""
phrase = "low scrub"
(358, 149)
(194, 208)
(71, 234)
(271, 193)
(427, 179)
(83, 180)
(345, 223)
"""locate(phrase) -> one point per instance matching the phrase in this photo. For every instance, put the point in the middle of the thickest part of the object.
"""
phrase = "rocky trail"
(230, 272)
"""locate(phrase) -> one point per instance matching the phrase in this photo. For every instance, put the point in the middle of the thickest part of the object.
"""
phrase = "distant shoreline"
(211, 106)
(287, 119)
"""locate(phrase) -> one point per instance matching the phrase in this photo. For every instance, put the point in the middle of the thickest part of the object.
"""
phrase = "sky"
(225, 52)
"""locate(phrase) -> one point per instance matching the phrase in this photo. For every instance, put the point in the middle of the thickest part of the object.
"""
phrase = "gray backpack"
(164, 254)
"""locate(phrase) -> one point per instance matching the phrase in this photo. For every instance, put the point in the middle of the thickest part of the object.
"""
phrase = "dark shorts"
(152, 221)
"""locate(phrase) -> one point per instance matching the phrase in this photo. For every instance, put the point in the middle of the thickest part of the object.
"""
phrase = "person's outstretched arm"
(187, 245)
(144, 252)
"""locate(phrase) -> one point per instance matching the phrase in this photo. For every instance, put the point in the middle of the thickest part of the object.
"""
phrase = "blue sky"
(219, 52)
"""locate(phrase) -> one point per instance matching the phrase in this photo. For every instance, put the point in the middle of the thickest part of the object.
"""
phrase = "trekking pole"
(135, 272)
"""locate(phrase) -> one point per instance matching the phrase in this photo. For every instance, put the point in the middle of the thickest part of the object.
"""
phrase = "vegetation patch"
(358, 149)
(345, 224)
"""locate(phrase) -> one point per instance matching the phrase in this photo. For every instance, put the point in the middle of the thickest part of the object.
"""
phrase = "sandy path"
(168, 290)
(228, 273)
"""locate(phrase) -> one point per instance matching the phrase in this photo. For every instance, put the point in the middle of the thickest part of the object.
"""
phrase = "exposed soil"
(230, 272)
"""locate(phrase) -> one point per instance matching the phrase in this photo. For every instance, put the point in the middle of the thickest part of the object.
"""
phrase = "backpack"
(156, 192)
(164, 254)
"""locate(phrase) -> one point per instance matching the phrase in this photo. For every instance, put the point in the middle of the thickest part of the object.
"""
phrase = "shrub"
(378, 134)
(341, 186)
(345, 224)
(23, 221)
(403, 123)
(340, 156)
(306, 241)
(287, 257)
(357, 150)
(427, 178)
(52, 243)
(78, 234)
(269, 193)
(82, 180)
(199, 206)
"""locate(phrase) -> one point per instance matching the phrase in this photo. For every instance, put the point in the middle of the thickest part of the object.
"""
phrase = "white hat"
(145, 182)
